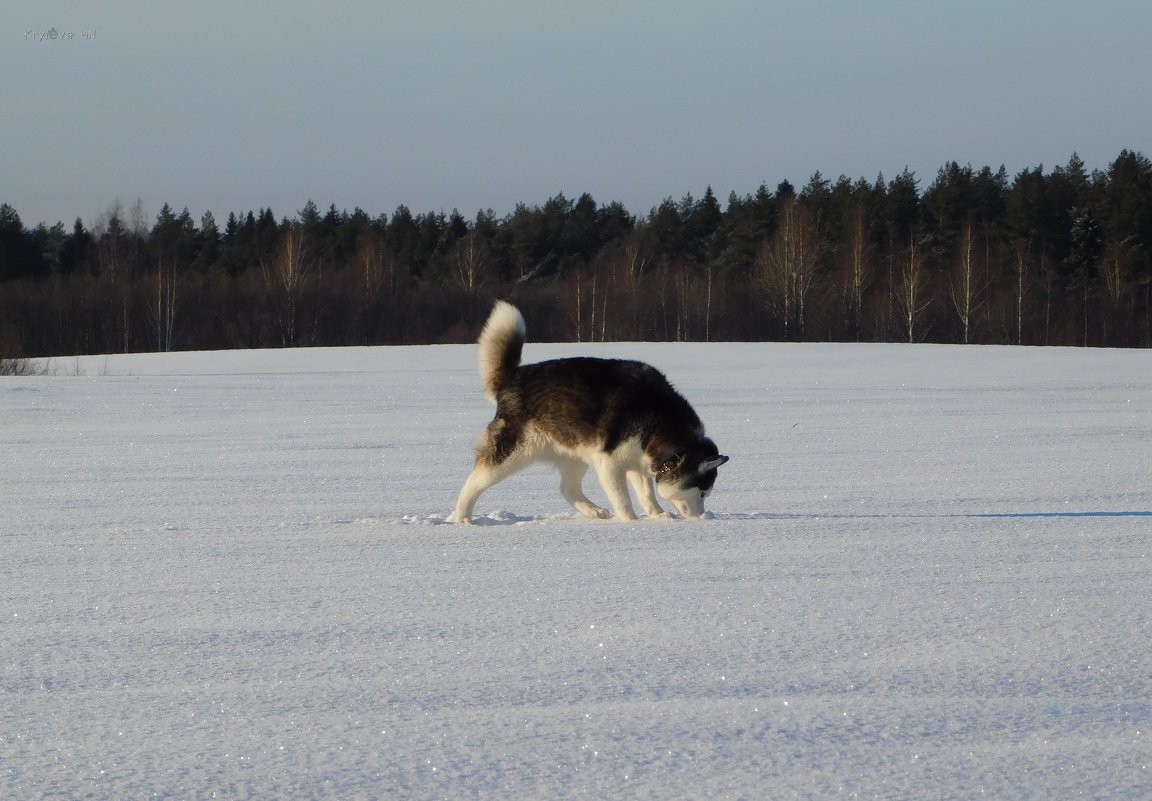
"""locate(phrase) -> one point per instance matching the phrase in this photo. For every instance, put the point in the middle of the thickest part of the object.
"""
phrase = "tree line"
(1045, 257)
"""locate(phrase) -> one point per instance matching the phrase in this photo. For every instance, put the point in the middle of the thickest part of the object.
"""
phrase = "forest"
(1045, 257)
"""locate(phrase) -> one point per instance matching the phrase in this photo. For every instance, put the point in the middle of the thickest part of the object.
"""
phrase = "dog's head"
(686, 478)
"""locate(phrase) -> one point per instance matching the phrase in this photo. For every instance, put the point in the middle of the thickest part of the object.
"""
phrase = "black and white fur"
(621, 418)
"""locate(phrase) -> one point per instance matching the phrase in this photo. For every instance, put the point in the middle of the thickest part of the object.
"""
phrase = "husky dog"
(622, 418)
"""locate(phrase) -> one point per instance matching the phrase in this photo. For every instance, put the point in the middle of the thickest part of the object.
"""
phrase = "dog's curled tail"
(501, 343)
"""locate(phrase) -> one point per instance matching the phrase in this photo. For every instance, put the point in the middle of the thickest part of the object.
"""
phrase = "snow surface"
(926, 576)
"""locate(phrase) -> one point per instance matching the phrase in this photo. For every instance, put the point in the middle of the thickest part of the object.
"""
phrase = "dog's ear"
(712, 464)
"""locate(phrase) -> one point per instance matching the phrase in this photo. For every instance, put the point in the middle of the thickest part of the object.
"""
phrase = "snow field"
(227, 575)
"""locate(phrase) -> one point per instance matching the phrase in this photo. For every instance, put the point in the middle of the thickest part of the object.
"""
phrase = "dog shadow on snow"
(502, 518)
(923, 515)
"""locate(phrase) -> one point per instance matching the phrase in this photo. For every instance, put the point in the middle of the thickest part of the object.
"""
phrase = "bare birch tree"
(912, 296)
(708, 303)
(162, 306)
(1023, 250)
(682, 291)
(285, 275)
(635, 263)
(578, 277)
(137, 227)
(592, 315)
(373, 262)
(858, 269)
(787, 265)
(471, 263)
(966, 284)
(1114, 267)
(111, 237)
(609, 286)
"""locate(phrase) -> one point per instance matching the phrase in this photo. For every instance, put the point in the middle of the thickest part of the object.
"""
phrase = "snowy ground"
(227, 576)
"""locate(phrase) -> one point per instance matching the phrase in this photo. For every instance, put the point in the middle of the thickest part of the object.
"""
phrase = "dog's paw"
(593, 511)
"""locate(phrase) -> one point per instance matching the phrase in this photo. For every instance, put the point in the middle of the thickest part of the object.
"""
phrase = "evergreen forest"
(1059, 256)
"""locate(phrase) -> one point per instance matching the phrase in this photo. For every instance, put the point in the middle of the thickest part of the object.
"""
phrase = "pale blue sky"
(228, 106)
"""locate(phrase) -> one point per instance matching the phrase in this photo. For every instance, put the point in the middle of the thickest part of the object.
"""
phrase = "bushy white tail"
(501, 343)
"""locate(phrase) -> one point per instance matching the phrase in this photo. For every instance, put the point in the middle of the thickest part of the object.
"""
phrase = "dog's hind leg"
(572, 472)
(483, 476)
(645, 493)
(498, 455)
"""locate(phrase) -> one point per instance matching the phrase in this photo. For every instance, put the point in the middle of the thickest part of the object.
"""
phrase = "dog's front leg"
(571, 487)
(645, 493)
(615, 484)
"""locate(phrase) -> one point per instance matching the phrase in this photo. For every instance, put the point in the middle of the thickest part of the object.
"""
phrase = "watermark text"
(57, 35)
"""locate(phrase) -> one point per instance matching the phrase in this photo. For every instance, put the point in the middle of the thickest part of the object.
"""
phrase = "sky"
(446, 104)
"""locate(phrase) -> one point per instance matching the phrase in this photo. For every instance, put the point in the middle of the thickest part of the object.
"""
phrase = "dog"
(621, 418)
